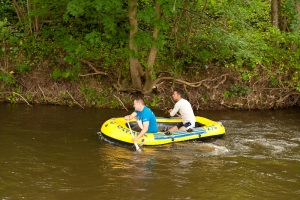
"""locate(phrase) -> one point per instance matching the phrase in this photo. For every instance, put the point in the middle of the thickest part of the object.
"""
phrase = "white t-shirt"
(185, 109)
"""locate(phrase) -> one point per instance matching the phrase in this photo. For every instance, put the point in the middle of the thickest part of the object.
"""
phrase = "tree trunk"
(297, 4)
(298, 12)
(135, 67)
(31, 22)
(275, 12)
(153, 52)
(19, 11)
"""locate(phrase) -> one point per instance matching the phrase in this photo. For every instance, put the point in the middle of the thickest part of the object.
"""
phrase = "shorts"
(186, 125)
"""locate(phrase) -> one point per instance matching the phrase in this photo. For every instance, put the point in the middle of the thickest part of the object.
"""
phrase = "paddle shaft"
(135, 144)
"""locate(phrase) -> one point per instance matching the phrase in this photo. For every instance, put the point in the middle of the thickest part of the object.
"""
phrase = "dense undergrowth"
(222, 89)
(222, 55)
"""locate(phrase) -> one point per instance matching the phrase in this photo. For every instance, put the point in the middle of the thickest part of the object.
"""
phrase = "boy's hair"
(140, 100)
(179, 91)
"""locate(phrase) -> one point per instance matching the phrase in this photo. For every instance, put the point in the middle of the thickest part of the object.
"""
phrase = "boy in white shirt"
(186, 112)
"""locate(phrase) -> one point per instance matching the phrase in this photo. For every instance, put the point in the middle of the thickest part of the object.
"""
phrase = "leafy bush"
(237, 91)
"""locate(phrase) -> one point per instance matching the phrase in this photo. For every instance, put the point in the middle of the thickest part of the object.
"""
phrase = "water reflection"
(156, 163)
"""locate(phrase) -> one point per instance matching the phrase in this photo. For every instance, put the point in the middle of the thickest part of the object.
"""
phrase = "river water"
(54, 152)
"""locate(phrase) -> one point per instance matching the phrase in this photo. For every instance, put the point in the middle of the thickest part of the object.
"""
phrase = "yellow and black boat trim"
(117, 129)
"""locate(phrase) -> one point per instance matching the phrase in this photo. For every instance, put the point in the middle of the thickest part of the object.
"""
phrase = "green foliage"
(237, 91)
(90, 94)
(193, 35)
(7, 11)
(13, 97)
(23, 67)
(6, 74)
(67, 74)
(289, 10)
(4, 31)
(156, 101)
(99, 99)
(7, 78)
(36, 49)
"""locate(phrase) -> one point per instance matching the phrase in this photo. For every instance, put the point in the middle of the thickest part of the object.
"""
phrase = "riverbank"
(209, 91)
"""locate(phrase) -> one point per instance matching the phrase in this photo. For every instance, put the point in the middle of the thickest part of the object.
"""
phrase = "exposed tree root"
(223, 77)
(206, 94)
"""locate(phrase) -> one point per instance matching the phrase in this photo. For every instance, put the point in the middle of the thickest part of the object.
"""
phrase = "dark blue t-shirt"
(146, 115)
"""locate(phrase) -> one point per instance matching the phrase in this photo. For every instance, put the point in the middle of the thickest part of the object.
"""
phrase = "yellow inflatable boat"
(117, 129)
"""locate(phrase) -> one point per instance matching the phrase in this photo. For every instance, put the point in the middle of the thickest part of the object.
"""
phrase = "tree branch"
(93, 68)
(74, 100)
(22, 98)
(196, 84)
(121, 102)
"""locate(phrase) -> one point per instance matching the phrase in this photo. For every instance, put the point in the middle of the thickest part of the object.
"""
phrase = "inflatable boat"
(117, 129)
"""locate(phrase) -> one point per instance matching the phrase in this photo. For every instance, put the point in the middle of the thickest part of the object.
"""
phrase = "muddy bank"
(212, 91)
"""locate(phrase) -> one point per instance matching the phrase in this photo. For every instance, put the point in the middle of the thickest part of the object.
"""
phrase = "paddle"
(137, 147)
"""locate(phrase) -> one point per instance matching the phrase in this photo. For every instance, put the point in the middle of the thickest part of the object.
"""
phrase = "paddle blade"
(137, 147)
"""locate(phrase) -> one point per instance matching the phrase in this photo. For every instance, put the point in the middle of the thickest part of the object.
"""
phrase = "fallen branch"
(91, 74)
(94, 68)
(282, 99)
(75, 100)
(121, 102)
(22, 98)
(1, 69)
(42, 92)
